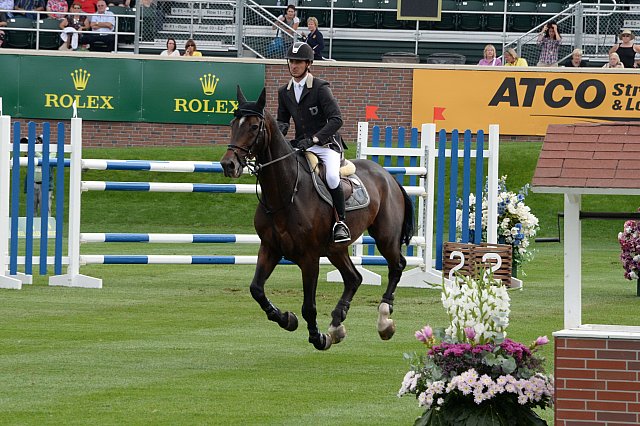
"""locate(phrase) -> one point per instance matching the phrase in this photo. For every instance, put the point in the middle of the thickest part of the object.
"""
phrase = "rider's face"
(297, 68)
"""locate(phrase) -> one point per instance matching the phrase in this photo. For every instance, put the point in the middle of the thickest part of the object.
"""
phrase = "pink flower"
(542, 340)
(470, 333)
(425, 334)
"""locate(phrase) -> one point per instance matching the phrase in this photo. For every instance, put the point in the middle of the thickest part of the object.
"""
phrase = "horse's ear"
(262, 100)
(240, 96)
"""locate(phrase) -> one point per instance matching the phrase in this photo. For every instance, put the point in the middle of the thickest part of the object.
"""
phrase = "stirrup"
(341, 232)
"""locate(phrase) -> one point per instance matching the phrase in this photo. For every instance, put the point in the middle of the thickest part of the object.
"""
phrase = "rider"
(316, 115)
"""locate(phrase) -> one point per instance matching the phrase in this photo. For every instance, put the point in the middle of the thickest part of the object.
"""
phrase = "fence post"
(73, 278)
(5, 146)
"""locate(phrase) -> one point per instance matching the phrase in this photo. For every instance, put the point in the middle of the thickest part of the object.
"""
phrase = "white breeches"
(331, 160)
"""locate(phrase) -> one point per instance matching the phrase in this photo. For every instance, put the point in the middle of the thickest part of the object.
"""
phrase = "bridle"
(254, 167)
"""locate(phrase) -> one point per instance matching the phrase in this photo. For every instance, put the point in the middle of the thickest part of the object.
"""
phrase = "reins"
(255, 168)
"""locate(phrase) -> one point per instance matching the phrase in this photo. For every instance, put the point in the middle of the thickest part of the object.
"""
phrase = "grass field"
(169, 345)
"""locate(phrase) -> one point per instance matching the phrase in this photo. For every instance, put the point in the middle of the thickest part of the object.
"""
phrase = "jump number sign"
(486, 257)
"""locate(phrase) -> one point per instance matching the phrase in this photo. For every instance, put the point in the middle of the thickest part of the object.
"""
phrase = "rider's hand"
(305, 143)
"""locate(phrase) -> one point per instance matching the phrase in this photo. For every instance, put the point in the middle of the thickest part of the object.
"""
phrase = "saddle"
(355, 193)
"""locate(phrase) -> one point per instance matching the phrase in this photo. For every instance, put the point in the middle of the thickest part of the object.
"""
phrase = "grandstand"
(363, 30)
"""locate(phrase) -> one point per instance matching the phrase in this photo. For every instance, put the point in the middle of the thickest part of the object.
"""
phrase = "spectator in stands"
(70, 25)
(288, 23)
(490, 57)
(627, 49)
(88, 6)
(511, 59)
(190, 49)
(549, 41)
(171, 48)
(31, 5)
(102, 26)
(5, 5)
(57, 6)
(575, 60)
(315, 39)
(614, 61)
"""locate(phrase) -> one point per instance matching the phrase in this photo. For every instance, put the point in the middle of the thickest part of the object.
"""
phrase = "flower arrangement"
(629, 240)
(516, 223)
(471, 372)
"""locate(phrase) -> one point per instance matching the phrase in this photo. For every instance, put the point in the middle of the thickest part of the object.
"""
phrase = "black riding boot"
(340, 230)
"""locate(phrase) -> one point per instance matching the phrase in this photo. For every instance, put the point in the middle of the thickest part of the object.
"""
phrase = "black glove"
(303, 143)
(283, 127)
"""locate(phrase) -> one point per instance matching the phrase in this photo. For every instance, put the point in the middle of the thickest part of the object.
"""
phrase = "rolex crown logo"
(209, 83)
(80, 79)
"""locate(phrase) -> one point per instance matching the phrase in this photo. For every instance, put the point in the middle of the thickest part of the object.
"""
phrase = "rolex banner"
(151, 90)
(523, 102)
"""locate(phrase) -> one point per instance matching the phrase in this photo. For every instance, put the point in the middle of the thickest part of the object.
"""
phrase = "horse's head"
(247, 132)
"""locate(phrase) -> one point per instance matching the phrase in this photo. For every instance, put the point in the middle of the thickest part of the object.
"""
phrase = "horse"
(294, 223)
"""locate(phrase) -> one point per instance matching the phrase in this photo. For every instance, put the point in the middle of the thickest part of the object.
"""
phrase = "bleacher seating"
(366, 18)
(470, 21)
(22, 36)
(48, 40)
(448, 21)
(390, 20)
(494, 22)
(342, 18)
(320, 14)
(524, 17)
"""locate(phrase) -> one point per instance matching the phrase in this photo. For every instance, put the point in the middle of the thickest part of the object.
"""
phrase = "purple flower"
(425, 334)
(542, 340)
(470, 333)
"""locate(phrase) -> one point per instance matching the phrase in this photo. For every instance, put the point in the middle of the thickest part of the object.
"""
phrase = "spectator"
(5, 5)
(288, 23)
(57, 6)
(29, 5)
(70, 25)
(614, 61)
(549, 41)
(2, 36)
(315, 39)
(627, 49)
(88, 6)
(190, 49)
(490, 57)
(575, 60)
(102, 25)
(512, 59)
(171, 48)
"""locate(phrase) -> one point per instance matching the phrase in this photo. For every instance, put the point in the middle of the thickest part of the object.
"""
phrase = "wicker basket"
(504, 251)
(468, 268)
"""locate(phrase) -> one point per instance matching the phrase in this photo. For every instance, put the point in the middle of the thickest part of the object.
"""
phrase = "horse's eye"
(254, 127)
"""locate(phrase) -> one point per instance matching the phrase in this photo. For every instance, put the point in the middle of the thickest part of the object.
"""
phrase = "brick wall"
(355, 88)
(597, 381)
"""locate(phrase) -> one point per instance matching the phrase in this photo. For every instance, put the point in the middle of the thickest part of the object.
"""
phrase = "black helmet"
(300, 51)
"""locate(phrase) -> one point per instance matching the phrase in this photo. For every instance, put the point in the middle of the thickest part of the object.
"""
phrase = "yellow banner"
(522, 102)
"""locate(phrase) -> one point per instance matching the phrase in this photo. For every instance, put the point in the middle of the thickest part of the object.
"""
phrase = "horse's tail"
(408, 225)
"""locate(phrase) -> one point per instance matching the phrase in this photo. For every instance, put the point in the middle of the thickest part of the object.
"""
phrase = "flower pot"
(514, 269)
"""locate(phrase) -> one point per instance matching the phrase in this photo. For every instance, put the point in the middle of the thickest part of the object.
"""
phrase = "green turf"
(188, 345)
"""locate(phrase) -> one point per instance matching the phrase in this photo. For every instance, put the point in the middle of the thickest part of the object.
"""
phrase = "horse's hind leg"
(352, 280)
(267, 261)
(390, 248)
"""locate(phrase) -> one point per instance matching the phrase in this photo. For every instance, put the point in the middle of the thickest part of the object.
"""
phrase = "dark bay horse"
(293, 222)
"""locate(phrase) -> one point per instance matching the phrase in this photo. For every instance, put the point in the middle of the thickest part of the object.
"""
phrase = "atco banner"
(105, 89)
(522, 102)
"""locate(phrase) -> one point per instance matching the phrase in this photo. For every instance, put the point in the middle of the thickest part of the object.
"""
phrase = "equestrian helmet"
(300, 51)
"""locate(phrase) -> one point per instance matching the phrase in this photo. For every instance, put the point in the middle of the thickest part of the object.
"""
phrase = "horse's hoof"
(337, 333)
(387, 332)
(292, 321)
(321, 341)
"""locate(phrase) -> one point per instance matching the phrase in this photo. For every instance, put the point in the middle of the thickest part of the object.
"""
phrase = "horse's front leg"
(267, 261)
(310, 269)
